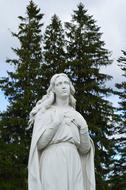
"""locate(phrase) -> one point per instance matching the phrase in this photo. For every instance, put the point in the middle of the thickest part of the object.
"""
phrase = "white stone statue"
(62, 153)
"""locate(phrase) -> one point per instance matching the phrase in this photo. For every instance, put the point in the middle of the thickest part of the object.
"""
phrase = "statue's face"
(62, 87)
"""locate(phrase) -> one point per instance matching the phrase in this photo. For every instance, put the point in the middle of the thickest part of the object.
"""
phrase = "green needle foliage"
(22, 88)
(122, 87)
(53, 49)
(85, 57)
(119, 177)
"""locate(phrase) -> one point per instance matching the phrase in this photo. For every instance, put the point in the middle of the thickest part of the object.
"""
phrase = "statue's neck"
(62, 102)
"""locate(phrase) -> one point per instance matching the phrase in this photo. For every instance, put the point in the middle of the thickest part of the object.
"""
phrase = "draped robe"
(43, 163)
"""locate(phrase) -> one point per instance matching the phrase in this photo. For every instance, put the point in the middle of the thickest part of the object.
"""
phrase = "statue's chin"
(64, 96)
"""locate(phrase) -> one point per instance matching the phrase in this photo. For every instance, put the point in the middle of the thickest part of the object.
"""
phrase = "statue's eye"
(66, 82)
(59, 83)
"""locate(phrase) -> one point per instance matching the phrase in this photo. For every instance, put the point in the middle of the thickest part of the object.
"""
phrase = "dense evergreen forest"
(77, 49)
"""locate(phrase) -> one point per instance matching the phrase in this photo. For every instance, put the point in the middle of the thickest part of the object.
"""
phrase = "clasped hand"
(59, 117)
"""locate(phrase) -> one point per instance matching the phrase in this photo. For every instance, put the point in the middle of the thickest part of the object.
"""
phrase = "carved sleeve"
(84, 141)
(46, 137)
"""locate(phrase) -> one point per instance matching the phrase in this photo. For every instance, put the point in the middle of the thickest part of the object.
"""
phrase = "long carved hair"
(50, 98)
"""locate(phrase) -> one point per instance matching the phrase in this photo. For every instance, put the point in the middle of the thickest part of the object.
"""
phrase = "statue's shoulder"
(43, 115)
(78, 113)
(79, 116)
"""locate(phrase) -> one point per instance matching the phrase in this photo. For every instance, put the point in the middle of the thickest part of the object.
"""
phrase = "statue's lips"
(64, 91)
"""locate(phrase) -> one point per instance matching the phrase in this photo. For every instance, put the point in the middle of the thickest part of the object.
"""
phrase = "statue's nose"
(63, 86)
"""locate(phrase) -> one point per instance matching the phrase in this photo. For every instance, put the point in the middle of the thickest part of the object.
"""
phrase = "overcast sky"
(110, 16)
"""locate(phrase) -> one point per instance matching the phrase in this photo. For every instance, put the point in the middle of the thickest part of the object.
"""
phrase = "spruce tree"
(22, 87)
(53, 49)
(119, 179)
(86, 55)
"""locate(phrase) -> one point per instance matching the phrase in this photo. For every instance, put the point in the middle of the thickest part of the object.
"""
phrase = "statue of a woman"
(62, 153)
